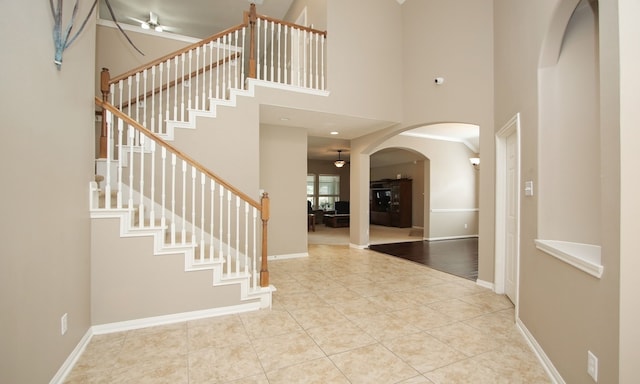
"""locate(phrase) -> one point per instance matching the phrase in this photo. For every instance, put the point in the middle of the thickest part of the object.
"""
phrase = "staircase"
(158, 192)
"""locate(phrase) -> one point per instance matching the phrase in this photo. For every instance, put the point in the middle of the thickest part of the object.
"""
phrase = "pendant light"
(339, 163)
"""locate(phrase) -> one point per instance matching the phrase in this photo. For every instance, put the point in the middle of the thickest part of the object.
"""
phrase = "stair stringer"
(231, 101)
(262, 296)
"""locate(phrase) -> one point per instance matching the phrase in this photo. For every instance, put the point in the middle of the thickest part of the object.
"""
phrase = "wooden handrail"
(171, 148)
(292, 25)
(248, 19)
(173, 83)
(176, 53)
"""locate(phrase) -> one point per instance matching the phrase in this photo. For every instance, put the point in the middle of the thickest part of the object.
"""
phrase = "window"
(311, 190)
(323, 191)
(328, 191)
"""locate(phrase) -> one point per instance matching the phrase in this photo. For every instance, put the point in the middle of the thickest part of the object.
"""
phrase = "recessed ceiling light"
(334, 132)
(284, 119)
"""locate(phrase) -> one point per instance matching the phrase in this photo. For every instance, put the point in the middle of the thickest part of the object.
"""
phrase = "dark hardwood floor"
(457, 257)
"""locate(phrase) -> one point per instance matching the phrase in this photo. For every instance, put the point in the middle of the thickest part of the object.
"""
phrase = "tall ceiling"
(202, 18)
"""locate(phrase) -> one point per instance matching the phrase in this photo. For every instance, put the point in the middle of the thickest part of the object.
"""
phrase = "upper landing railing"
(193, 78)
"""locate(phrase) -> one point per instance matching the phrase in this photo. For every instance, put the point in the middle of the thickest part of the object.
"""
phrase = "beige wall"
(139, 294)
(115, 53)
(284, 176)
(46, 167)
(569, 160)
(628, 14)
(567, 311)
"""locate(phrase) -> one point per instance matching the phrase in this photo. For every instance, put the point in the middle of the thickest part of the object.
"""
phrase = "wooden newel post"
(264, 268)
(252, 41)
(105, 77)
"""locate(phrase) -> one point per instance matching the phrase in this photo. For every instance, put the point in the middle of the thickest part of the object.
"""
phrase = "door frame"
(510, 128)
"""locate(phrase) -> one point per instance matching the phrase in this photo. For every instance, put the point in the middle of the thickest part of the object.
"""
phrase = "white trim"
(449, 237)
(173, 318)
(585, 257)
(358, 246)
(71, 360)
(452, 210)
(288, 256)
(485, 284)
(548, 366)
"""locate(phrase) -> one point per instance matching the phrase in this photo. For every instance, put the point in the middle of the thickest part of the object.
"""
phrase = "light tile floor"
(339, 316)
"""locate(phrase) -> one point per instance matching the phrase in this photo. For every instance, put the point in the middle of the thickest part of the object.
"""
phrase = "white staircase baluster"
(317, 37)
(273, 44)
(160, 129)
(121, 155)
(136, 106)
(237, 235)
(168, 95)
(193, 205)
(254, 254)
(183, 232)
(203, 105)
(141, 192)
(175, 89)
(197, 89)
(224, 68)
(152, 211)
(246, 238)
(182, 85)
(218, 68)
(188, 84)
(236, 61)
(152, 123)
(279, 35)
(202, 233)
(221, 216)
(143, 104)
(228, 231)
(257, 40)
(264, 52)
(210, 71)
(285, 69)
(107, 183)
(130, 146)
(211, 208)
(241, 62)
(322, 66)
(173, 199)
(304, 56)
(163, 219)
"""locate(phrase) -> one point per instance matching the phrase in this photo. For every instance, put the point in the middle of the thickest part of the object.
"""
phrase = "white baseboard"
(71, 360)
(548, 366)
(173, 318)
(485, 284)
(288, 256)
(357, 246)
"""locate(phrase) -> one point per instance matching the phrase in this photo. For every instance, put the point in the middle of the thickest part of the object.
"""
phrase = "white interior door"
(507, 212)
(511, 219)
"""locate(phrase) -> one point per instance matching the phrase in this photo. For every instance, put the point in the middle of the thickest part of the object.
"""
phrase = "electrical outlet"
(63, 324)
(592, 365)
(466, 226)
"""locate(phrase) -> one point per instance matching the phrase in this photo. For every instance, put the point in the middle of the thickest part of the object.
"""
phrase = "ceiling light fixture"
(339, 163)
(334, 132)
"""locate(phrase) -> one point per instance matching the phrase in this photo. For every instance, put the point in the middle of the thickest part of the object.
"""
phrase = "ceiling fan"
(152, 23)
